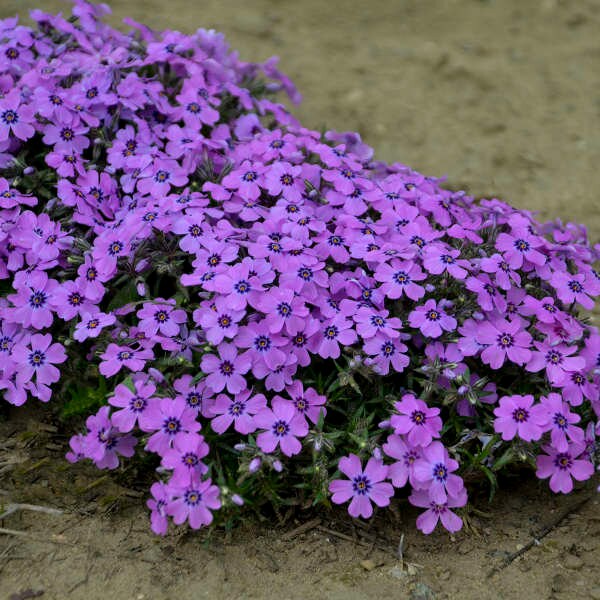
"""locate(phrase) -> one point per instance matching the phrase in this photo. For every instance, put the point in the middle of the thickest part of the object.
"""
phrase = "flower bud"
(237, 499)
(240, 447)
(254, 465)
(278, 466)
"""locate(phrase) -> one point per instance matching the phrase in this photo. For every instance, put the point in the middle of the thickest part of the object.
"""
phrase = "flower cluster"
(259, 297)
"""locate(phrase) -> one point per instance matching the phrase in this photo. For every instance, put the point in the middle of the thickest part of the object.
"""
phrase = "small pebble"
(367, 565)
(573, 562)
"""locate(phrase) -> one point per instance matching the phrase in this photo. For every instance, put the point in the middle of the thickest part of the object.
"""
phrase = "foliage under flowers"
(255, 303)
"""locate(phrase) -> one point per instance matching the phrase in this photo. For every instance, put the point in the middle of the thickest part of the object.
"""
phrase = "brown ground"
(504, 97)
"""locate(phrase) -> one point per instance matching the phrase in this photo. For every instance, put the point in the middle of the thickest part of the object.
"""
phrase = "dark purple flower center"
(305, 273)
(280, 428)
(410, 457)
(250, 176)
(300, 404)
(124, 355)
(554, 357)
(262, 343)
(522, 245)
(242, 287)
(275, 247)
(563, 461)
(37, 299)
(377, 321)
(193, 400)
(505, 340)
(418, 240)
(161, 316)
(331, 332)
(361, 485)
(91, 274)
(37, 358)
(440, 472)
(347, 173)
(433, 315)
(284, 309)
(227, 368)
(577, 378)
(277, 144)
(190, 459)
(115, 248)
(195, 231)
(299, 341)
(392, 196)
(549, 307)
(335, 240)
(137, 404)
(93, 324)
(447, 259)
(12, 53)
(286, 179)
(520, 415)
(575, 286)
(388, 349)
(560, 421)
(91, 93)
(67, 134)
(193, 107)
(172, 425)
(74, 299)
(5, 342)
(10, 117)
(237, 408)
(418, 417)
(192, 497)
(224, 321)
(162, 176)
(401, 278)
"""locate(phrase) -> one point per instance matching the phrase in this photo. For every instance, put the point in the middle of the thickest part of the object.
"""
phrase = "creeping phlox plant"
(256, 304)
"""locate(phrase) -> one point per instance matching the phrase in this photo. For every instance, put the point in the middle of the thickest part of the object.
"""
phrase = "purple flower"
(136, 405)
(284, 310)
(370, 323)
(399, 278)
(91, 325)
(556, 359)
(504, 339)
(363, 487)
(384, 352)
(575, 288)
(283, 426)
(185, 458)
(16, 117)
(559, 421)
(435, 512)
(158, 505)
(516, 415)
(263, 346)
(334, 332)
(226, 370)
(417, 420)
(563, 466)
(160, 316)
(218, 321)
(103, 443)
(169, 419)
(116, 357)
(308, 402)
(431, 319)
(37, 356)
(438, 259)
(518, 248)
(194, 502)
(238, 410)
(402, 470)
(34, 301)
(434, 472)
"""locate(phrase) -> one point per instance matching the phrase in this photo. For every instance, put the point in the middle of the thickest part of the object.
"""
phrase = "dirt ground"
(501, 96)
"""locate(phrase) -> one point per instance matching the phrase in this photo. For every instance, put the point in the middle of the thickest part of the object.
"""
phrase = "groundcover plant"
(261, 314)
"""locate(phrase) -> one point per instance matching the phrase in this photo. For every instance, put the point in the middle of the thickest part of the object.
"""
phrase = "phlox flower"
(438, 259)
(516, 415)
(185, 458)
(560, 421)
(36, 356)
(503, 339)
(16, 117)
(438, 511)
(116, 357)
(160, 316)
(193, 502)
(226, 370)
(170, 419)
(161, 497)
(402, 470)
(362, 486)
(433, 472)
(399, 278)
(556, 359)
(420, 422)
(385, 353)
(307, 401)
(238, 410)
(92, 324)
(431, 319)
(282, 425)
(135, 405)
(564, 466)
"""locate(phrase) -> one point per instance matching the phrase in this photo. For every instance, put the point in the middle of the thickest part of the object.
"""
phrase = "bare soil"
(504, 98)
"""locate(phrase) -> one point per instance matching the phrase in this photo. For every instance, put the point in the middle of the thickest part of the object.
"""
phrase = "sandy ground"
(501, 96)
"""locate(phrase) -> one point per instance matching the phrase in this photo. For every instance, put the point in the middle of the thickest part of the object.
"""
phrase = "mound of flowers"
(263, 311)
